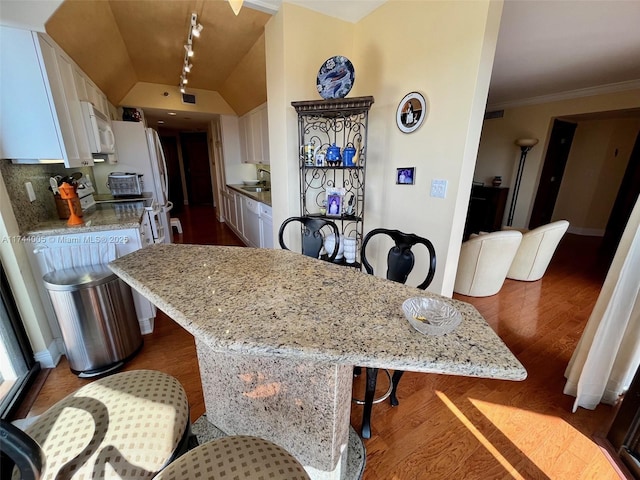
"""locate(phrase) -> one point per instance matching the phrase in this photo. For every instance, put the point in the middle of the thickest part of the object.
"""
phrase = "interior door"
(625, 201)
(552, 171)
(195, 154)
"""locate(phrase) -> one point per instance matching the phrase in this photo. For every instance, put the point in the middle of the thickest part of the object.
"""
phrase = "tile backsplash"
(28, 214)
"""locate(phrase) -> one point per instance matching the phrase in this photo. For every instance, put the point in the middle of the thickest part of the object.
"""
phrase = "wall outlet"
(439, 188)
(30, 193)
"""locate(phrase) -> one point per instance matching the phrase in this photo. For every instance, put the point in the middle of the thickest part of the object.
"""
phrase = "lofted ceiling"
(121, 42)
(545, 48)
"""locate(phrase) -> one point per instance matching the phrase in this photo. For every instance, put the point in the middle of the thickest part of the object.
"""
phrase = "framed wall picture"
(411, 112)
(335, 197)
(406, 175)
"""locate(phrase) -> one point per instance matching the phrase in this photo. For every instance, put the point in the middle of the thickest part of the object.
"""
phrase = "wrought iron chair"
(312, 238)
(400, 263)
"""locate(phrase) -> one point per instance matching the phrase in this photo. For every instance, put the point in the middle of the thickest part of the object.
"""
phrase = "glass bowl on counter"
(431, 316)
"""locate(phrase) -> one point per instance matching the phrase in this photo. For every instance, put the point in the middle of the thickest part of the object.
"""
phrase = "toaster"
(124, 184)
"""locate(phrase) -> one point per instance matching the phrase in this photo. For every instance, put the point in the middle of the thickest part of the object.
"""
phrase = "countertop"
(262, 197)
(102, 217)
(280, 303)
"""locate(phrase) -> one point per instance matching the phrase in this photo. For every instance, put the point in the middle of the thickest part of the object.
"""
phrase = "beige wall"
(16, 264)
(395, 50)
(294, 56)
(151, 95)
(498, 155)
(599, 156)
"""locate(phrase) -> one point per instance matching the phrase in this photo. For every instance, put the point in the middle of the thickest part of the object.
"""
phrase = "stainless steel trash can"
(97, 318)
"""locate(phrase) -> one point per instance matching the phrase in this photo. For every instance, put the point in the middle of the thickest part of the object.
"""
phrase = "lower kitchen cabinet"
(251, 221)
(266, 226)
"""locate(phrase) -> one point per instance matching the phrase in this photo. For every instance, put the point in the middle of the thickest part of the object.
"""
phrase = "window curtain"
(608, 354)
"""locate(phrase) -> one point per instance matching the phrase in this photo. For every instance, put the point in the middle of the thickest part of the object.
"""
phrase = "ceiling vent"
(494, 114)
(188, 98)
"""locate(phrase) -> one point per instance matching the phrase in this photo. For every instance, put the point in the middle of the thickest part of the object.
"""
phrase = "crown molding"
(571, 94)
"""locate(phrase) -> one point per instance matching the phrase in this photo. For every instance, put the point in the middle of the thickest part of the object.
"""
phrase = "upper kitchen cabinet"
(254, 135)
(39, 101)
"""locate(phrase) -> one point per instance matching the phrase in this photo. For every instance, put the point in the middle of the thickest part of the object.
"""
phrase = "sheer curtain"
(608, 353)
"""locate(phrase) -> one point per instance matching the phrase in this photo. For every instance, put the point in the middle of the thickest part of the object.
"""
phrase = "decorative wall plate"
(335, 77)
(411, 112)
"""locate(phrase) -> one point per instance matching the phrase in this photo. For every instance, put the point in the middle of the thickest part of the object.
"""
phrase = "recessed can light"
(173, 114)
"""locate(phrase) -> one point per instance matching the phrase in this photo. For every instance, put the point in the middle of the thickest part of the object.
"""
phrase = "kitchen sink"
(255, 189)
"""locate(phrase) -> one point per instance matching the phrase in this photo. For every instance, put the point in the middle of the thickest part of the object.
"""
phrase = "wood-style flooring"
(448, 427)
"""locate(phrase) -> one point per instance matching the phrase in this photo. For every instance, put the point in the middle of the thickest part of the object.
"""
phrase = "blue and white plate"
(335, 78)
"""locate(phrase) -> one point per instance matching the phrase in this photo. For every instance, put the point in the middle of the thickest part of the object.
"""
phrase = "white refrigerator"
(138, 150)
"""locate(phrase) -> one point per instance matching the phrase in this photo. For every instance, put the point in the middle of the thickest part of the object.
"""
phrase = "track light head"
(196, 29)
(189, 50)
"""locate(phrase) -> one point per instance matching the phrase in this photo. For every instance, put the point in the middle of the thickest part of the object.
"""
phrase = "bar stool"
(122, 427)
(175, 223)
(238, 457)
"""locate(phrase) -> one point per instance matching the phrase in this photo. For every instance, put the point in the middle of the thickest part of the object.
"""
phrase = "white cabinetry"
(39, 101)
(233, 212)
(251, 221)
(266, 226)
(254, 135)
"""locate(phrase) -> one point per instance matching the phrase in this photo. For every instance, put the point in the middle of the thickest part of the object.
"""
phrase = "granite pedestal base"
(303, 406)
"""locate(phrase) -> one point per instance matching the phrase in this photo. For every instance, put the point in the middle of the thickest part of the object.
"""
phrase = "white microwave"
(98, 126)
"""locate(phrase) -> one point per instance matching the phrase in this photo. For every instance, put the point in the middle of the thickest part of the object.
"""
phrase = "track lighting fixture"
(195, 29)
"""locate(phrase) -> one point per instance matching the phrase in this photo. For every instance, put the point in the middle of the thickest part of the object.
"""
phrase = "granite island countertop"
(279, 303)
(105, 216)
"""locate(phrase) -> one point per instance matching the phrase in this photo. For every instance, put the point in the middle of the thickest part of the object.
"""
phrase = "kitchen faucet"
(260, 172)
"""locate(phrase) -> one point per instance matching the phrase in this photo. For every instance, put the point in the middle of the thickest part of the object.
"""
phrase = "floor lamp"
(525, 145)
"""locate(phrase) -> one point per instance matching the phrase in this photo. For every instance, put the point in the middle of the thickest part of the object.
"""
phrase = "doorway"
(552, 172)
(624, 203)
(176, 194)
(197, 168)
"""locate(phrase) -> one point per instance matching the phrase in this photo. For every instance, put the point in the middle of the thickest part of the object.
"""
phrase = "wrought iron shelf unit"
(341, 122)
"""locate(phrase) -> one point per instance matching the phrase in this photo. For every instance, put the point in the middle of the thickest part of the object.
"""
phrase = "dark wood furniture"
(312, 238)
(486, 209)
(400, 262)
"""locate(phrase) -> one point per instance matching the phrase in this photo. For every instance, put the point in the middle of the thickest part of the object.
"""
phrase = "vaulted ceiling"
(545, 47)
(121, 42)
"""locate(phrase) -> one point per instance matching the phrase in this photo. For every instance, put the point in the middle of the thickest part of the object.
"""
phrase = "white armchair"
(484, 262)
(535, 251)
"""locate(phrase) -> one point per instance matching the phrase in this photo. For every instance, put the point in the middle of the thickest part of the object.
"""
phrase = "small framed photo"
(406, 175)
(335, 197)
(411, 112)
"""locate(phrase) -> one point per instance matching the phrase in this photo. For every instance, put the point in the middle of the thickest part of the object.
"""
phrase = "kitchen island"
(278, 333)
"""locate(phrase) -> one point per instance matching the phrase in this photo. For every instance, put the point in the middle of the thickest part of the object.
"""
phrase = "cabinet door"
(246, 139)
(28, 124)
(264, 134)
(256, 136)
(62, 83)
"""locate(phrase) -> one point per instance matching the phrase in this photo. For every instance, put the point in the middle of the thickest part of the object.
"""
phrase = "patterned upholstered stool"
(238, 458)
(126, 426)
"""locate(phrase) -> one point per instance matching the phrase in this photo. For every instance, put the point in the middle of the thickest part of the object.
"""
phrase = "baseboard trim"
(586, 232)
(50, 357)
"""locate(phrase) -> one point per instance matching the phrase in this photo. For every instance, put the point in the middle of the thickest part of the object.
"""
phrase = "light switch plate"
(30, 193)
(439, 188)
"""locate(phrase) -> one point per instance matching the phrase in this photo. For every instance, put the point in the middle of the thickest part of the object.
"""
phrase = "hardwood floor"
(449, 427)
